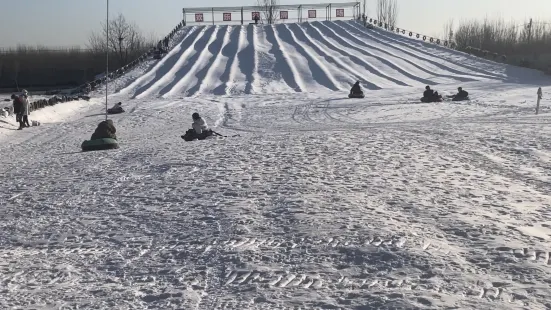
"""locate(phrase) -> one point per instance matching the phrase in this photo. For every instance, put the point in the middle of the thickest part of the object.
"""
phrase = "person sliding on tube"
(430, 95)
(200, 130)
(356, 89)
(461, 95)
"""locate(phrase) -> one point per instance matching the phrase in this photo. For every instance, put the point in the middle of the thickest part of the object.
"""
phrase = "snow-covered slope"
(319, 202)
(306, 57)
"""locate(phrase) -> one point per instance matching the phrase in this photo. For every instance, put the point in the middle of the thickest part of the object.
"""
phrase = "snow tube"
(190, 135)
(461, 99)
(356, 95)
(429, 100)
(99, 144)
(115, 110)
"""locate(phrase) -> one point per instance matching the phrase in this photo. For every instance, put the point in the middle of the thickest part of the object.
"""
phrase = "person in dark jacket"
(17, 104)
(430, 95)
(461, 94)
(356, 89)
(105, 129)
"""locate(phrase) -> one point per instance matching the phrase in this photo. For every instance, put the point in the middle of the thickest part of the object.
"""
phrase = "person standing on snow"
(25, 110)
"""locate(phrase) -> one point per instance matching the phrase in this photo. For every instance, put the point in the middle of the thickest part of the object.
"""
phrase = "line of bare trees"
(527, 44)
(41, 67)
(387, 12)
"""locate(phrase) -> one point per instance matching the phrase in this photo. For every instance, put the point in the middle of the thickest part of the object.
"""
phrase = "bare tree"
(387, 12)
(448, 31)
(270, 9)
(125, 39)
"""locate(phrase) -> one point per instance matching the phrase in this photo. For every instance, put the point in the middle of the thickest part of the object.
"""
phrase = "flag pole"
(107, 62)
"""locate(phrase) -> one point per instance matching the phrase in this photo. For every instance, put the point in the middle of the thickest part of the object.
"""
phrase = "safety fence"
(266, 14)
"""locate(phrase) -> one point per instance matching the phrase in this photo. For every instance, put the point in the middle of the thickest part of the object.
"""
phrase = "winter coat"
(106, 129)
(356, 89)
(17, 104)
(462, 94)
(199, 125)
(429, 93)
(25, 105)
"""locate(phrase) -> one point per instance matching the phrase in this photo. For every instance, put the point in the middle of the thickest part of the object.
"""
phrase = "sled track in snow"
(301, 57)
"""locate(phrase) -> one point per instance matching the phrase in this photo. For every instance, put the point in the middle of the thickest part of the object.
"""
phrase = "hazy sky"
(69, 22)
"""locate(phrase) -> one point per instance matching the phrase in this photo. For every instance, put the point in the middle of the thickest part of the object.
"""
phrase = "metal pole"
(107, 62)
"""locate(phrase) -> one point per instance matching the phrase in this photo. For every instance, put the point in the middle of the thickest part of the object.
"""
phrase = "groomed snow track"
(305, 57)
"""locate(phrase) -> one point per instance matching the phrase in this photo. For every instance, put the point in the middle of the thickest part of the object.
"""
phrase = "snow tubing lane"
(99, 144)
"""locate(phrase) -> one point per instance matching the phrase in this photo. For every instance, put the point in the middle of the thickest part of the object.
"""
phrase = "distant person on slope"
(356, 89)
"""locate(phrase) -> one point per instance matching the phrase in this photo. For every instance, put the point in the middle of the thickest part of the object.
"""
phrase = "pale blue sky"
(69, 22)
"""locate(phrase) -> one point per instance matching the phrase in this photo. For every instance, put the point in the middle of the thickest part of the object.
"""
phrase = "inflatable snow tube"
(99, 144)
(190, 135)
(356, 95)
(429, 100)
(115, 111)
(461, 99)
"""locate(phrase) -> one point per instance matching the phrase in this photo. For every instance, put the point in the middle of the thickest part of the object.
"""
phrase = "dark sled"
(190, 135)
(461, 99)
(115, 111)
(429, 100)
(351, 95)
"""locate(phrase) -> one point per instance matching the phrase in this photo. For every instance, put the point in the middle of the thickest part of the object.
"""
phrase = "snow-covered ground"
(320, 202)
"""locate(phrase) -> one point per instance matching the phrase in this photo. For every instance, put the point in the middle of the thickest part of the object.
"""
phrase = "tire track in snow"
(393, 67)
(200, 61)
(229, 51)
(411, 51)
(320, 72)
(215, 49)
(291, 75)
(171, 76)
(144, 83)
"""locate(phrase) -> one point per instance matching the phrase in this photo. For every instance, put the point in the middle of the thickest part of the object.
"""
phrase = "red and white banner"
(255, 14)
(283, 14)
(199, 17)
(311, 13)
(340, 12)
(226, 17)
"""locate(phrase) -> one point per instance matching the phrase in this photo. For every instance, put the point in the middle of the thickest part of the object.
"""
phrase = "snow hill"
(306, 57)
(313, 201)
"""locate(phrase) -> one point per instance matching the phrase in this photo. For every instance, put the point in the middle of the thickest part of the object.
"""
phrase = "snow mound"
(306, 57)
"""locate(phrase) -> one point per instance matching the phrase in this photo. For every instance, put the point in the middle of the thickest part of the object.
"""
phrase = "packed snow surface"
(313, 201)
